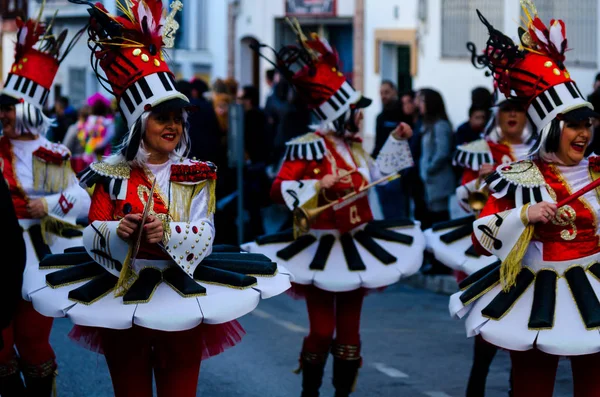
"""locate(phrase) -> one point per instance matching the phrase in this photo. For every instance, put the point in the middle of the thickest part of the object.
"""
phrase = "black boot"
(346, 362)
(39, 379)
(11, 384)
(483, 355)
(312, 366)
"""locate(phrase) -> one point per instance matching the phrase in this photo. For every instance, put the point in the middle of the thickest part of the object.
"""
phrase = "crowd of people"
(127, 247)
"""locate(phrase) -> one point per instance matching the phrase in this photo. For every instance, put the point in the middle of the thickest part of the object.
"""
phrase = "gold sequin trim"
(523, 173)
(118, 171)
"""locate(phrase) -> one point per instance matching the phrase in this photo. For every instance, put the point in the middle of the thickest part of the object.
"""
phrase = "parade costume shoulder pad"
(114, 177)
(473, 155)
(521, 181)
(309, 146)
(52, 153)
(192, 171)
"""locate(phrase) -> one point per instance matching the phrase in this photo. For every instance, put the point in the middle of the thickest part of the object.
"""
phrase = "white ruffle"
(336, 277)
(453, 255)
(34, 279)
(567, 337)
(166, 310)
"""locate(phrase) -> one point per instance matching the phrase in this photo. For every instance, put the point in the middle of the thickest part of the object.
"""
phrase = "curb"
(440, 284)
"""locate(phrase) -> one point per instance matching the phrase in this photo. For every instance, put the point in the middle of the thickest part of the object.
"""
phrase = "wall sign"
(313, 8)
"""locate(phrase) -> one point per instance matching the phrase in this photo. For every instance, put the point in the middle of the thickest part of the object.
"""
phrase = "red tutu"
(299, 291)
(203, 341)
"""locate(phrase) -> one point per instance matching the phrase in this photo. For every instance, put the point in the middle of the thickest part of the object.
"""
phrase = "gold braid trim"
(511, 266)
(127, 276)
(212, 200)
(54, 226)
(51, 178)
(182, 196)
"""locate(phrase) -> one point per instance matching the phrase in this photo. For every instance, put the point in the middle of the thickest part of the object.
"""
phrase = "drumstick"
(579, 193)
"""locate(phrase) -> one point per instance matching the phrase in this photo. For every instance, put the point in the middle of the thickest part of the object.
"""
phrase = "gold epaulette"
(309, 146)
(473, 154)
(115, 171)
(521, 181)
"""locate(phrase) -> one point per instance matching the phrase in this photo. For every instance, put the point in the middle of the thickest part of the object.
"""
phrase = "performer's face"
(163, 132)
(511, 121)
(7, 118)
(574, 139)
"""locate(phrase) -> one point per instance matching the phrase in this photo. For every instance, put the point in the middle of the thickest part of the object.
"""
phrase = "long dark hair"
(435, 109)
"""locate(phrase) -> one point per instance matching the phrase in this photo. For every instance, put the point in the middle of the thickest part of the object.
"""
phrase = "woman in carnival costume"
(345, 252)
(507, 138)
(46, 197)
(540, 300)
(148, 289)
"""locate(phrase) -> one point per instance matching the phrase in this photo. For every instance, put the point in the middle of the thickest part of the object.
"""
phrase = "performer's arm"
(70, 204)
(291, 189)
(498, 227)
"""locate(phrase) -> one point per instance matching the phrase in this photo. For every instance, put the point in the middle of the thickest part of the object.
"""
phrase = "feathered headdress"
(38, 54)
(312, 66)
(129, 49)
(533, 71)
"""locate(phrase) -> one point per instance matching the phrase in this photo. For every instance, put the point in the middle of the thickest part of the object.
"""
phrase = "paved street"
(411, 348)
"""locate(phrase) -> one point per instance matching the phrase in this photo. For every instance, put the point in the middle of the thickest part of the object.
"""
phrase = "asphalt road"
(410, 346)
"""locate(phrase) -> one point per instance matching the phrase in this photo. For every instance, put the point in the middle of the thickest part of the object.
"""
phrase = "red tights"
(29, 332)
(329, 313)
(534, 373)
(133, 356)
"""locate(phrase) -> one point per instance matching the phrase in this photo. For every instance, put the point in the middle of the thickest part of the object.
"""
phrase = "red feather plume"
(28, 35)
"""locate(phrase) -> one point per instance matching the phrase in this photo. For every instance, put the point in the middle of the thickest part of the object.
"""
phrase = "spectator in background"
(258, 150)
(205, 135)
(482, 97)
(95, 133)
(471, 130)
(393, 200)
(225, 217)
(412, 184)
(436, 156)
(596, 83)
(64, 116)
(198, 88)
(276, 105)
(295, 121)
(72, 142)
(391, 114)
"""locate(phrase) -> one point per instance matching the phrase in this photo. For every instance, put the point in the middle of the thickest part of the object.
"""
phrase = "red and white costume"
(540, 300)
(36, 169)
(163, 308)
(346, 251)
(450, 242)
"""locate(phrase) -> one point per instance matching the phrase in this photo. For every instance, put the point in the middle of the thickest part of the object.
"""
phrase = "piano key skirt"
(225, 286)
(371, 256)
(553, 307)
(450, 243)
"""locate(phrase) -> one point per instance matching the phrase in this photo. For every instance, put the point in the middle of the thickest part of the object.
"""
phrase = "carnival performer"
(148, 289)
(330, 269)
(13, 249)
(507, 138)
(45, 194)
(539, 301)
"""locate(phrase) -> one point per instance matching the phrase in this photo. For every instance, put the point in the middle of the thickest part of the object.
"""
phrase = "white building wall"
(454, 78)
(381, 15)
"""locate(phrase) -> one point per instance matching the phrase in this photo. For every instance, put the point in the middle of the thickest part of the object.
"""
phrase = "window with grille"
(201, 22)
(460, 24)
(77, 85)
(582, 28)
